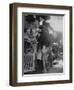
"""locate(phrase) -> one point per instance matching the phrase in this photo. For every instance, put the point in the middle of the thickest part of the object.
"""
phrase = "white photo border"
(66, 36)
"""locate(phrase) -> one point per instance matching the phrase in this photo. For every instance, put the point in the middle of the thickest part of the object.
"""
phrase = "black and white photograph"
(42, 43)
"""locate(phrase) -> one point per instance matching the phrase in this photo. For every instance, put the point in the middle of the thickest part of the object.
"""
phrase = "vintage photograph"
(42, 43)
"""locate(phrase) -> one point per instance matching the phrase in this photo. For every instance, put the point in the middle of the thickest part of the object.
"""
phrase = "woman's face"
(28, 31)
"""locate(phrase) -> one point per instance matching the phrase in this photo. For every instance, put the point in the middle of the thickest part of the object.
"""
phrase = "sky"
(57, 23)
